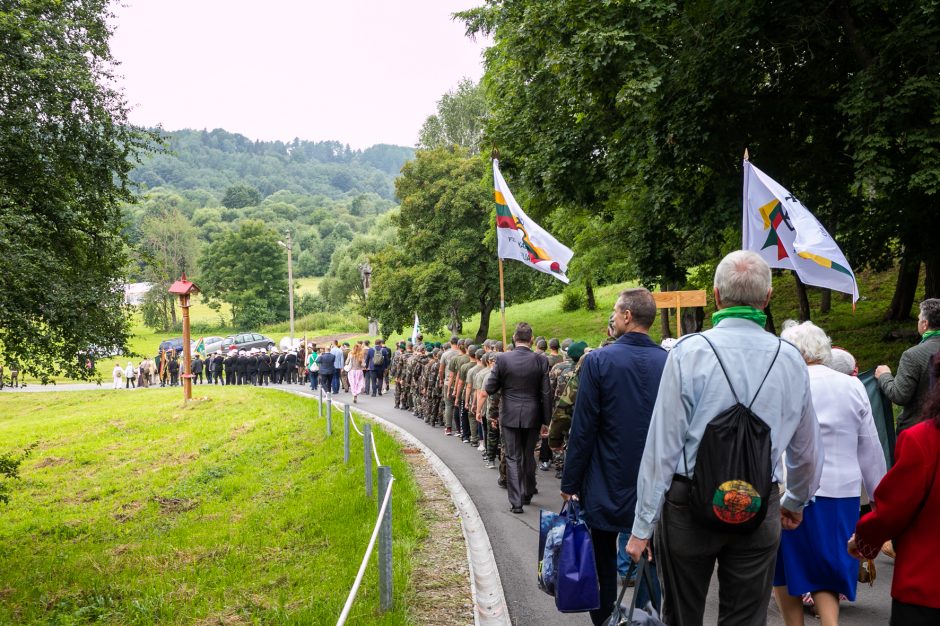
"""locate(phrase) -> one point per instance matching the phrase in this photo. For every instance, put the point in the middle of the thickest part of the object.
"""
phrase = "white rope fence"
(365, 560)
(375, 450)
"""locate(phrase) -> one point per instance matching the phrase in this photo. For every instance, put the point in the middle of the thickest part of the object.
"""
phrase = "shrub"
(572, 299)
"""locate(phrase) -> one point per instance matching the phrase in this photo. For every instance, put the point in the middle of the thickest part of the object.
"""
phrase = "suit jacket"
(910, 385)
(521, 376)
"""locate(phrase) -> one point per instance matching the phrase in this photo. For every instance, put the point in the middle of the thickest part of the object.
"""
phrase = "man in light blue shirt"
(337, 353)
(693, 390)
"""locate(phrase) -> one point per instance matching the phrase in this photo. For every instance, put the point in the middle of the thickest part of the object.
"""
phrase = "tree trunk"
(664, 323)
(825, 301)
(456, 324)
(769, 326)
(589, 300)
(692, 320)
(485, 309)
(904, 289)
(932, 278)
(803, 299)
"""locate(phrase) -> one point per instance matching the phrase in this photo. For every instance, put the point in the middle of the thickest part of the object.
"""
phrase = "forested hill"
(217, 159)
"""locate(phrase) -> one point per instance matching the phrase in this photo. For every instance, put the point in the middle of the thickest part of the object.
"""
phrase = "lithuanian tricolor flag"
(521, 239)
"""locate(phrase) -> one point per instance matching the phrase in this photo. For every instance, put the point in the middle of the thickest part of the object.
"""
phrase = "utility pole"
(290, 280)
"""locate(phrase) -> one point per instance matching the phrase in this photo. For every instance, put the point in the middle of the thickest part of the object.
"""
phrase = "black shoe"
(501, 482)
(516, 509)
(559, 473)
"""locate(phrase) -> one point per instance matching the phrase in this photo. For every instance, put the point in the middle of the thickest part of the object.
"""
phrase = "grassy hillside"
(862, 331)
(237, 509)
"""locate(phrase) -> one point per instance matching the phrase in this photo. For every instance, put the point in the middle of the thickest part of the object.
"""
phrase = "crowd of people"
(636, 431)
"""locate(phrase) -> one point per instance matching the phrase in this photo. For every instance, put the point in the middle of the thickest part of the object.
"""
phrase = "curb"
(486, 587)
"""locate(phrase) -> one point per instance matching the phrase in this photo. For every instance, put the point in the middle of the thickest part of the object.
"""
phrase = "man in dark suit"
(521, 377)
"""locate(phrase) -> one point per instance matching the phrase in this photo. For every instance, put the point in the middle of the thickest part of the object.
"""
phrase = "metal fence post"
(385, 541)
(329, 410)
(346, 434)
(321, 400)
(329, 422)
(367, 460)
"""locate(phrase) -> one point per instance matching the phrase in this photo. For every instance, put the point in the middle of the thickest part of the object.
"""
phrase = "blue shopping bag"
(551, 533)
(576, 587)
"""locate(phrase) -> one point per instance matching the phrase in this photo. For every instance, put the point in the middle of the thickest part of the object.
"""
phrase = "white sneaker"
(481, 447)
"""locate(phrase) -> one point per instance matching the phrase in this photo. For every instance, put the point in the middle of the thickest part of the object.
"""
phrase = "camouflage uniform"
(563, 407)
(433, 389)
(395, 373)
(419, 375)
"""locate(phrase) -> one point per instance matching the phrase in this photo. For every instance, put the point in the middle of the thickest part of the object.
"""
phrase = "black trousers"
(605, 559)
(229, 377)
(217, 379)
(520, 462)
(687, 553)
(903, 614)
(197, 378)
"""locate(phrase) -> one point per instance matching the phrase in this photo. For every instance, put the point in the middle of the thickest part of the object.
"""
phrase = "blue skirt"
(813, 556)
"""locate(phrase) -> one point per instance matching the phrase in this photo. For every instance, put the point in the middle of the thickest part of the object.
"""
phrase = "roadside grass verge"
(236, 509)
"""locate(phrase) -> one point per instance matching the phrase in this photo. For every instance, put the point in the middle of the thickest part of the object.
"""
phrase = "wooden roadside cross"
(678, 300)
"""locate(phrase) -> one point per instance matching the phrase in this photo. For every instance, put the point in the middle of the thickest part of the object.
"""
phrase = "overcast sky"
(357, 71)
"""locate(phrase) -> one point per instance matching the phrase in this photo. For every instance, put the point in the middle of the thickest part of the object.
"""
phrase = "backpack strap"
(733, 392)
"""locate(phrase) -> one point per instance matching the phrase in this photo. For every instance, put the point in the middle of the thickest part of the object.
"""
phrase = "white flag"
(783, 231)
(415, 331)
(521, 239)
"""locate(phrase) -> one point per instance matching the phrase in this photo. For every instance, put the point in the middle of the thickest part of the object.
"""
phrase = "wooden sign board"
(678, 300)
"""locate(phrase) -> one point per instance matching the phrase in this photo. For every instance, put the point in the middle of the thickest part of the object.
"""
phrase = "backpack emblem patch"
(736, 501)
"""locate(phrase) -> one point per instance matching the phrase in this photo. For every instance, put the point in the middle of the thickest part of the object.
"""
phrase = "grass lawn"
(237, 509)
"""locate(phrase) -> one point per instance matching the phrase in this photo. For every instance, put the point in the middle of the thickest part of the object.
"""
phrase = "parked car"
(212, 344)
(175, 344)
(247, 341)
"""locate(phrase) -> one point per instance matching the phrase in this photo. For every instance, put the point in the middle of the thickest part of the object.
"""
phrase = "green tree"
(240, 196)
(443, 263)
(67, 150)
(459, 121)
(168, 247)
(248, 270)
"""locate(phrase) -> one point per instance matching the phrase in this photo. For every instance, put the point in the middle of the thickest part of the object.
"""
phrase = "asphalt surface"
(515, 537)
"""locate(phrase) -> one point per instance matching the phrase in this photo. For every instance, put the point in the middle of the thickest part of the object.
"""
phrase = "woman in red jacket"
(906, 508)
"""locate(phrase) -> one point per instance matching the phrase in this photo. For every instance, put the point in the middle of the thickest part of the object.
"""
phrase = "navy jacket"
(616, 393)
(327, 364)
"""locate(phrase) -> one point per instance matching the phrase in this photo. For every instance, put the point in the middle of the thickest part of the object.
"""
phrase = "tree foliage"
(241, 195)
(629, 120)
(66, 151)
(247, 269)
(459, 121)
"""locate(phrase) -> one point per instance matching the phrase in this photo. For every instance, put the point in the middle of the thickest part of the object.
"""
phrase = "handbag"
(551, 533)
(647, 616)
(576, 589)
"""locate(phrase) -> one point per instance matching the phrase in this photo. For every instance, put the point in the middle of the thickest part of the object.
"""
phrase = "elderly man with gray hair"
(909, 388)
(706, 374)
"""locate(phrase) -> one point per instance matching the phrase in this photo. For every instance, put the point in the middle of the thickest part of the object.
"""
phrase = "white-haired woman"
(811, 558)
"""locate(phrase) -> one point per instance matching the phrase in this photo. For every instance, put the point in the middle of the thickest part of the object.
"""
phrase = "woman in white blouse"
(812, 558)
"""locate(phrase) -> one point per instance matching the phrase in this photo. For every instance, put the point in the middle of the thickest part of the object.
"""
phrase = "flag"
(415, 331)
(783, 231)
(521, 239)
(201, 346)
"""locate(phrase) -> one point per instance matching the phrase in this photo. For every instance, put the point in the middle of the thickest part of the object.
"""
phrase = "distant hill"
(215, 160)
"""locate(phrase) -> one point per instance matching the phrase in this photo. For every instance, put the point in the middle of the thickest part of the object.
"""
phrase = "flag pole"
(502, 302)
(494, 155)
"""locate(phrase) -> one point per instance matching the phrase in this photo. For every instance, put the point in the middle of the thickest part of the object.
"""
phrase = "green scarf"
(927, 335)
(742, 312)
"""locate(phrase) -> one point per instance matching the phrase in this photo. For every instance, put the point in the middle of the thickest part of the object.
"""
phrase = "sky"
(357, 71)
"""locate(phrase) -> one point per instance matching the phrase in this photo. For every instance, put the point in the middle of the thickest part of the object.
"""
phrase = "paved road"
(515, 537)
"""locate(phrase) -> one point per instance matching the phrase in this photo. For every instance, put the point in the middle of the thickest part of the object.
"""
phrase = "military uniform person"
(241, 367)
(264, 368)
(566, 392)
(433, 387)
(446, 390)
(174, 366)
(453, 367)
(469, 395)
(229, 364)
(216, 366)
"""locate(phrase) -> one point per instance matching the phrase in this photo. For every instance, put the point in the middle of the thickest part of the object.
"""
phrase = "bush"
(255, 316)
(572, 299)
(309, 304)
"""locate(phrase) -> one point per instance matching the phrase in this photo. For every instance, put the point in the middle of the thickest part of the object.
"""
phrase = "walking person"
(735, 367)
(907, 509)
(521, 376)
(117, 374)
(196, 367)
(812, 557)
(380, 360)
(217, 364)
(327, 363)
(616, 391)
(367, 370)
(339, 367)
(356, 366)
(313, 368)
(130, 376)
(909, 388)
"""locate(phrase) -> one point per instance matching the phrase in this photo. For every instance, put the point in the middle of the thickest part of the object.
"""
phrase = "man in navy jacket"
(616, 394)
